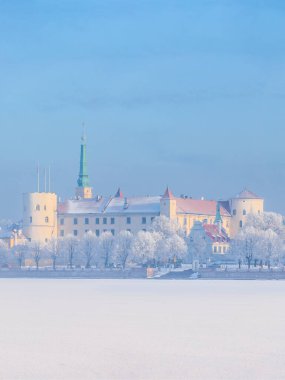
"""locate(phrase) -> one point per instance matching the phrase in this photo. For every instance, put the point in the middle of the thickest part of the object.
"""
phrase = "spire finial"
(83, 138)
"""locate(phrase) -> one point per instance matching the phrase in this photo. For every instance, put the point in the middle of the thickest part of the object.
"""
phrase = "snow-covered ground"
(138, 329)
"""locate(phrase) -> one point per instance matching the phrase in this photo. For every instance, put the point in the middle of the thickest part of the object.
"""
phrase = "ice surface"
(139, 329)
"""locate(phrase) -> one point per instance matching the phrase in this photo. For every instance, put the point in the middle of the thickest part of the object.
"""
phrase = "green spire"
(218, 218)
(83, 179)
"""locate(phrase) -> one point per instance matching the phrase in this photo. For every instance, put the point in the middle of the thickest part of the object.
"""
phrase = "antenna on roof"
(45, 176)
(38, 177)
(49, 179)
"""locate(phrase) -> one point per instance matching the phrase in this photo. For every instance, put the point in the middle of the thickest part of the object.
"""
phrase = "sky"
(183, 93)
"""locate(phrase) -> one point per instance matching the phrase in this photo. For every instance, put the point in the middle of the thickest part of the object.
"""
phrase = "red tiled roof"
(199, 207)
(247, 194)
(212, 230)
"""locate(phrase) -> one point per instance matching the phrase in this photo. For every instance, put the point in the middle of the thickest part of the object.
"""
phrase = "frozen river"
(124, 329)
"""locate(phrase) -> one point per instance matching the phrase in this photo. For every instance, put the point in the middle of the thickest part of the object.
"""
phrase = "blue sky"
(185, 93)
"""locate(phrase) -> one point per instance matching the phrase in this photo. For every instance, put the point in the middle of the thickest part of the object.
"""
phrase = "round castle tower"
(40, 216)
(243, 204)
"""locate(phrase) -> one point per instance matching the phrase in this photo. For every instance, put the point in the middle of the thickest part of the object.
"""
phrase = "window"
(46, 219)
(86, 231)
(129, 230)
(104, 220)
(38, 208)
(113, 232)
(244, 212)
(75, 232)
(224, 249)
(152, 219)
(234, 212)
(62, 233)
(240, 224)
(75, 221)
(45, 207)
(143, 220)
(129, 221)
(215, 249)
(112, 220)
(220, 249)
(61, 222)
(185, 221)
(144, 230)
(86, 221)
(31, 219)
(97, 221)
(97, 233)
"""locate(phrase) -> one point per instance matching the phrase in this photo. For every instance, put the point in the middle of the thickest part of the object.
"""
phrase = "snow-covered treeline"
(163, 244)
(261, 241)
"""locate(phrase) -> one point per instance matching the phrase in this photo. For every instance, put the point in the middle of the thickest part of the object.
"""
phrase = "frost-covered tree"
(54, 249)
(271, 247)
(19, 253)
(166, 227)
(3, 254)
(170, 248)
(123, 247)
(170, 243)
(266, 221)
(144, 246)
(261, 239)
(71, 249)
(36, 251)
(248, 241)
(106, 243)
(88, 247)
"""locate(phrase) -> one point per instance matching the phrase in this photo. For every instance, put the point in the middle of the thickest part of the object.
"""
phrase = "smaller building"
(12, 236)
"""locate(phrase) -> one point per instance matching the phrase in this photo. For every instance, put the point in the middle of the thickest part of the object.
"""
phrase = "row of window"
(38, 207)
(243, 212)
(220, 249)
(235, 212)
(112, 221)
(46, 219)
(97, 232)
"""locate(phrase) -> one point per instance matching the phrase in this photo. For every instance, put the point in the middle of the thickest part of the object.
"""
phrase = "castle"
(44, 217)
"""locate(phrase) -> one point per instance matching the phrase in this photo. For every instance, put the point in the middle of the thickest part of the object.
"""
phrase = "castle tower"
(40, 216)
(83, 190)
(168, 205)
(246, 202)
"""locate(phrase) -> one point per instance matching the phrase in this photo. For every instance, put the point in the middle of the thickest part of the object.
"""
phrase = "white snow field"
(139, 329)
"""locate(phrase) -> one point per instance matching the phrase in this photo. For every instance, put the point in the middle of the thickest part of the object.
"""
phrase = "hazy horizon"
(189, 95)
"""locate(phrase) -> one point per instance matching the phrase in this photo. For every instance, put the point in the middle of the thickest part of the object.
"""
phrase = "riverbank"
(140, 273)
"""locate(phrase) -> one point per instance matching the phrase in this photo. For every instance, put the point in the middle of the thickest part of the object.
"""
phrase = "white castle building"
(44, 217)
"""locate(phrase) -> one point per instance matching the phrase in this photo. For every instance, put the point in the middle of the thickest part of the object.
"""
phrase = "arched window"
(38, 208)
(46, 219)
(244, 212)
(240, 224)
